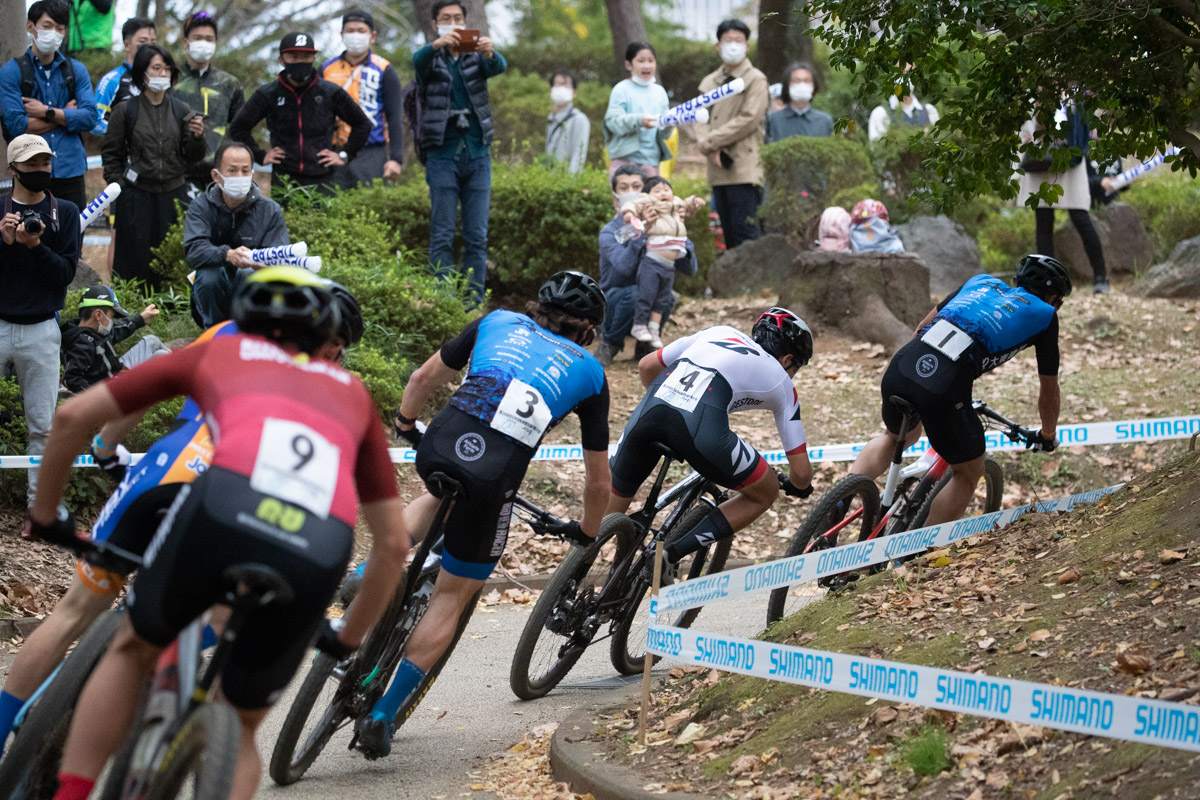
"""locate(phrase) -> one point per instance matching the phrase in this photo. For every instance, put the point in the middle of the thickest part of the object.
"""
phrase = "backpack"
(29, 84)
(410, 101)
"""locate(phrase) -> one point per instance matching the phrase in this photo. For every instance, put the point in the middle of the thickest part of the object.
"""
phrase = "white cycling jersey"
(755, 378)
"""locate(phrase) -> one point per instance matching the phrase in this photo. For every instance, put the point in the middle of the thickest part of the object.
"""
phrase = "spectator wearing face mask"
(116, 86)
(567, 128)
(373, 83)
(150, 141)
(631, 131)
(88, 355)
(222, 226)
(302, 113)
(207, 90)
(798, 118)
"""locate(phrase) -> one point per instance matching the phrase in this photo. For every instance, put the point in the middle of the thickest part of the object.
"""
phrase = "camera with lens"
(31, 221)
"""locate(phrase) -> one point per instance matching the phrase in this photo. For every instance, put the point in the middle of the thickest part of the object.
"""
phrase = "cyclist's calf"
(952, 500)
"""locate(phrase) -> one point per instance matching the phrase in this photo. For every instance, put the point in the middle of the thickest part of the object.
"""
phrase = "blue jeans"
(618, 313)
(212, 294)
(468, 181)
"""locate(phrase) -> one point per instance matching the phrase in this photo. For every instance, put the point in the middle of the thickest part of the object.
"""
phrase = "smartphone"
(468, 42)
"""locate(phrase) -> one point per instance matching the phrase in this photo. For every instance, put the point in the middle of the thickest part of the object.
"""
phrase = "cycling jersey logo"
(470, 446)
(927, 365)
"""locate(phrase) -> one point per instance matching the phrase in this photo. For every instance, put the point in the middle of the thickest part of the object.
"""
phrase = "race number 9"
(297, 465)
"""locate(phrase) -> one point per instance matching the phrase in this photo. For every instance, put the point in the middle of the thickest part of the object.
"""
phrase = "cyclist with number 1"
(693, 385)
(976, 329)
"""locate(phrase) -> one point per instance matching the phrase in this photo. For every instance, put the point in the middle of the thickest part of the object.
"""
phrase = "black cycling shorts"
(490, 466)
(700, 437)
(940, 390)
(215, 523)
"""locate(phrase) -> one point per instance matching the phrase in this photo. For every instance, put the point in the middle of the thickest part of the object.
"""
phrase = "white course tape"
(1133, 719)
(757, 578)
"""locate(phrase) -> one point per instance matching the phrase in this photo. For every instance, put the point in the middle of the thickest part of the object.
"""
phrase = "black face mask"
(36, 181)
(299, 73)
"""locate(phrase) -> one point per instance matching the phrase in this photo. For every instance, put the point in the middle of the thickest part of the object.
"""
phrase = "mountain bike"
(854, 511)
(581, 598)
(346, 691)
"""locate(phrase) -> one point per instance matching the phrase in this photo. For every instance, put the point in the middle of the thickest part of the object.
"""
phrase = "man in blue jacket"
(45, 93)
(619, 257)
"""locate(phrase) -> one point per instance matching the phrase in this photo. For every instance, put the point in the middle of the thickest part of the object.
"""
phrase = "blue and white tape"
(1134, 719)
(758, 578)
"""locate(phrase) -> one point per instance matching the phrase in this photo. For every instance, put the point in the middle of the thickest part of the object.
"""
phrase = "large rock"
(85, 277)
(1127, 247)
(751, 266)
(1178, 276)
(876, 297)
(948, 251)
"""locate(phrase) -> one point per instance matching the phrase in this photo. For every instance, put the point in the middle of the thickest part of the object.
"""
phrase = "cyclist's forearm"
(74, 423)
(596, 490)
(800, 471)
(928, 319)
(649, 368)
(429, 376)
(1049, 404)
(115, 432)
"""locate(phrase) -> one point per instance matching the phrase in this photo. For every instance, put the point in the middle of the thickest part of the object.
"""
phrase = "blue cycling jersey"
(987, 322)
(523, 378)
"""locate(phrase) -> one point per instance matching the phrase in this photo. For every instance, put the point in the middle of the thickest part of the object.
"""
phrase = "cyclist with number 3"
(297, 446)
(974, 330)
(527, 372)
(693, 385)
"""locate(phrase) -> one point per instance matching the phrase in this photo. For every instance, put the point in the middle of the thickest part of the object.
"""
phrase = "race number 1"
(684, 387)
(522, 414)
(947, 339)
(296, 464)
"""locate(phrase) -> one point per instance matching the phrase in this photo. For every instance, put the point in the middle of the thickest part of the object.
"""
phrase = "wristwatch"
(48, 115)
(343, 155)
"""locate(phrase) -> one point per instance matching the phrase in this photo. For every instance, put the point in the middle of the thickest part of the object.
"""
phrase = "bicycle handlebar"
(100, 554)
(1033, 439)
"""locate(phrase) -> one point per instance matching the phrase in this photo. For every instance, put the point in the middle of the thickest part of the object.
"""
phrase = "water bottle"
(626, 233)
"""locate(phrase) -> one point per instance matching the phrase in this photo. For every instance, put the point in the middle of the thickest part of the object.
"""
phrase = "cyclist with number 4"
(297, 446)
(527, 372)
(693, 385)
(974, 330)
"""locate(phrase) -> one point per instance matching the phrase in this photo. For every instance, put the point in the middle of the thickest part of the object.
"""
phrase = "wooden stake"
(649, 660)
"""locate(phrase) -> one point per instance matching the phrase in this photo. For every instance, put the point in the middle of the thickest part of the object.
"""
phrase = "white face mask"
(158, 84)
(202, 51)
(733, 52)
(442, 30)
(236, 186)
(356, 43)
(47, 40)
(561, 94)
(627, 197)
(105, 327)
(800, 91)
(640, 81)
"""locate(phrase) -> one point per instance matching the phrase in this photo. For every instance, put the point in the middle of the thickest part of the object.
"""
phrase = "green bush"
(806, 174)
(1169, 206)
(1005, 236)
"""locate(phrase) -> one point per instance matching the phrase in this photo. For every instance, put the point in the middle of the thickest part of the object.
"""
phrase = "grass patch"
(925, 750)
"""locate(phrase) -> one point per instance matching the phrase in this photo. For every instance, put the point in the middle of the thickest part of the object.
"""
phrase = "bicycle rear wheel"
(295, 750)
(30, 767)
(987, 498)
(853, 494)
(205, 750)
(554, 637)
(628, 648)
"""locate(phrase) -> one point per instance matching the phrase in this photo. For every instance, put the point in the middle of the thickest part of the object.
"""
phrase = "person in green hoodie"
(91, 28)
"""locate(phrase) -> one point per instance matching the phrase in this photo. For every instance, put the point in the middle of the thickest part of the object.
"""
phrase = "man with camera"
(38, 254)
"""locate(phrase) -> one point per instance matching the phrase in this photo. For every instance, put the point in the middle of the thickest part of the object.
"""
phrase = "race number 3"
(684, 387)
(522, 414)
(947, 339)
(296, 464)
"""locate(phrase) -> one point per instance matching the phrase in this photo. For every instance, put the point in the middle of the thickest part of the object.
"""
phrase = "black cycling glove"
(790, 489)
(114, 465)
(60, 532)
(572, 532)
(1041, 443)
(328, 641)
(413, 435)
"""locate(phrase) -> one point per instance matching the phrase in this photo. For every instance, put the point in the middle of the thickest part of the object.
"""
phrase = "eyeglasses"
(457, 19)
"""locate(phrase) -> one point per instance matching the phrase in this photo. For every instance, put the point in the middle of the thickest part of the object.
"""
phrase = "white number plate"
(522, 414)
(684, 387)
(296, 464)
(947, 339)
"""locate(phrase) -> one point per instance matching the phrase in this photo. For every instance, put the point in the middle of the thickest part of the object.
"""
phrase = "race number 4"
(947, 339)
(296, 464)
(522, 414)
(684, 387)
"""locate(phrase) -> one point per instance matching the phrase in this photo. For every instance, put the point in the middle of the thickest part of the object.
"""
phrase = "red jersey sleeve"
(157, 379)
(374, 474)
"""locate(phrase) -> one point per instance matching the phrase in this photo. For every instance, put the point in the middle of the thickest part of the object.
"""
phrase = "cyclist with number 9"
(693, 385)
(974, 330)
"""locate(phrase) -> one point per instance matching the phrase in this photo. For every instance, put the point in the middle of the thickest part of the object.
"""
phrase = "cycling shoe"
(375, 737)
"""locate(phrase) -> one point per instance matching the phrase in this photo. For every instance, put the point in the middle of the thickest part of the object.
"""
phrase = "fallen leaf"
(885, 716)
(744, 764)
(1134, 663)
(1171, 556)
(1070, 576)
(871, 778)
(1039, 635)
(690, 734)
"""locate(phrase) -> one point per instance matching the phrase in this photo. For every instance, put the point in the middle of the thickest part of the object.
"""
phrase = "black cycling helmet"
(779, 331)
(287, 304)
(350, 327)
(574, 293)
(1043, 276)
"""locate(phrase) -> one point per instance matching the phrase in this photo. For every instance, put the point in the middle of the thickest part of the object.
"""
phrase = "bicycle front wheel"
(299, 744)
(628, 649)
(987, 498)
(854, 497)
(205, 751)
(554, 637)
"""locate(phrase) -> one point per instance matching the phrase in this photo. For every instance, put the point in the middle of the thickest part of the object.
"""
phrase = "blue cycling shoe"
(375, 737)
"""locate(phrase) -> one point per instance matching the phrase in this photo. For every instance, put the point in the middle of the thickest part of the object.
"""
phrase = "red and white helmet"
(869, 209)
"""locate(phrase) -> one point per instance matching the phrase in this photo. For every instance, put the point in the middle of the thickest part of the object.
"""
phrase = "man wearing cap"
(87, 345)
(302, 111)
(375, 86)
(39, 250)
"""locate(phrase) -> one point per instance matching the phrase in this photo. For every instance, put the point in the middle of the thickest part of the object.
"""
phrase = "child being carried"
(666, 240)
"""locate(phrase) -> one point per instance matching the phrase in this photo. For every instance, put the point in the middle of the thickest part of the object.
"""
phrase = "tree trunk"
(782, 37)
(626, 23)
(12, 30)
(143, 8)
(160, 16)
(476, 18)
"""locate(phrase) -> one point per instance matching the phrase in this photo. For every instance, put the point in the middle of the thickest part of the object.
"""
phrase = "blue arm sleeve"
(106, 90)
(11, 104)
(83, 116)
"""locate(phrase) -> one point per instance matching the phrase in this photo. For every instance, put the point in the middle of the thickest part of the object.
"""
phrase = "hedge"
(805, 174)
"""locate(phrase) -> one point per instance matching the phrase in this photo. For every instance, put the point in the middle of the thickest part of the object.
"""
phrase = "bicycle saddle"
(666, 452)
(257, 584)
(906, 408)
(442, 485)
